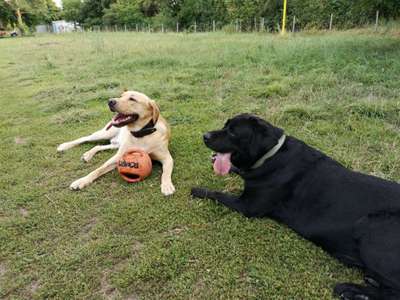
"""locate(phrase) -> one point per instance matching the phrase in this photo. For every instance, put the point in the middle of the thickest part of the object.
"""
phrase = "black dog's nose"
(207, 137)
(111, 104)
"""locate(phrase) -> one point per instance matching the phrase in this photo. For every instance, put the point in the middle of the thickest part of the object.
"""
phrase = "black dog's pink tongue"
(222, 163)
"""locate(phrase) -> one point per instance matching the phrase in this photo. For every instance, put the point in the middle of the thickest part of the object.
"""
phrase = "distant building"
(42, 28)
(62, 26)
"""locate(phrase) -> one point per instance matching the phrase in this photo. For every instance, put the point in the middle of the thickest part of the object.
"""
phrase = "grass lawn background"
(338, 92)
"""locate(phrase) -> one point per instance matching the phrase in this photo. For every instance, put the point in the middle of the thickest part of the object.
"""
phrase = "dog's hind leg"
(89, 154)
(378, 237)
(102, 134)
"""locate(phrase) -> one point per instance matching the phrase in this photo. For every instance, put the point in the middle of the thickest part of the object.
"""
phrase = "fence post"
(376, 20)
(195, 26)
(116, 28)
(330, 22)
(294, 23)
(177, 27)
(162, 27)
(213, 25)
(255, 24)
(262, 24)
(125, 27)
(237, 25)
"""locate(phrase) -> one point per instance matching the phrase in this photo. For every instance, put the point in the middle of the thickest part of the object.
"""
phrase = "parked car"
(5, 33)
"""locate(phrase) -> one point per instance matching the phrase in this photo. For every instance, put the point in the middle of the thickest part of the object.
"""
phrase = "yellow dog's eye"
(132, 98)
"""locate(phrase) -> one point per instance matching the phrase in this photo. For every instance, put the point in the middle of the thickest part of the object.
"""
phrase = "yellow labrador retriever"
(137, 124)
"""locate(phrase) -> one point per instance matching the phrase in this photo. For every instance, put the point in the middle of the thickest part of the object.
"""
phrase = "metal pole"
(284, 17)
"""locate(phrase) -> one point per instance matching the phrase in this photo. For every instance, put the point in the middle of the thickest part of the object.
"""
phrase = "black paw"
(199, 193)
(349, 291)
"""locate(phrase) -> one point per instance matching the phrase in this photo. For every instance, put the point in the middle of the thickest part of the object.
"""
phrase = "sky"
(58, 2)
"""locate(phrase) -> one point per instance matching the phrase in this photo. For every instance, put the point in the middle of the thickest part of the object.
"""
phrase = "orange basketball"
(135, 165)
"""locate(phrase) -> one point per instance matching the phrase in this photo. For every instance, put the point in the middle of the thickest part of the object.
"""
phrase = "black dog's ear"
(265, 136)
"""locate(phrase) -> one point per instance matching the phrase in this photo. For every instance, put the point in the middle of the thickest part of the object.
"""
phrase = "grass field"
(338, 92)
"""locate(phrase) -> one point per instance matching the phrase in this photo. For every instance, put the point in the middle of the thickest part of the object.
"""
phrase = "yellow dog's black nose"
(111, 104)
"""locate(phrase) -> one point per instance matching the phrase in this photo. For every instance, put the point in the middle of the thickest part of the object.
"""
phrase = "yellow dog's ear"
(155, 111)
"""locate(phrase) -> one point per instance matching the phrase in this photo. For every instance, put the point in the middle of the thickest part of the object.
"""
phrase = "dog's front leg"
(88, 179)
(231, 201)
(167, 188)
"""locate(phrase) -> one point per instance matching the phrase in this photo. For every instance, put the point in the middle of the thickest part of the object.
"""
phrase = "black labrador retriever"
(354, 217)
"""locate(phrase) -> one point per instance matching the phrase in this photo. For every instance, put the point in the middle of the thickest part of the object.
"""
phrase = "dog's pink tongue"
(222, 163)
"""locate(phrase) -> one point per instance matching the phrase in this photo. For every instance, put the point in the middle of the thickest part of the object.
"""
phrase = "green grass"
(338, 92)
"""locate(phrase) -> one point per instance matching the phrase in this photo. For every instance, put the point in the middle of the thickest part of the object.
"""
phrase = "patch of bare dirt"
(107, 290)
(24, 212)
(19, 140)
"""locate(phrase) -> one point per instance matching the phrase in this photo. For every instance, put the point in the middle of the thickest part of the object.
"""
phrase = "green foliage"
(247, 13)
(71, 10)
(124, 12)
(33, 12)
(7, 15)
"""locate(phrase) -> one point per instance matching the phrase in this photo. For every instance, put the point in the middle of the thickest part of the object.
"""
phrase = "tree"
(124, 12)
(7, 14)
(92, 11)
(72, 11)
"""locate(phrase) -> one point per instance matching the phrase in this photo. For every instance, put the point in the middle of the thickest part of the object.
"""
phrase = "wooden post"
(237, 25)
(330, 22)
(262, 24)
(213, 25)
(255, 24)
(162, 27)
(294, 23)
(376, 20)
(136, 27)
(195, 26)
(177, 27)
(125, 27)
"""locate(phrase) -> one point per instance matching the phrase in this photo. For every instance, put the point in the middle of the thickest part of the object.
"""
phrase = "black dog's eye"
(132, 98)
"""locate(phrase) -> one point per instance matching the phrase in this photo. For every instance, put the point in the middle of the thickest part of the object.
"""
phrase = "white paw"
(87, 156)
(167, 188)
(79, 184)
(63, 147)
